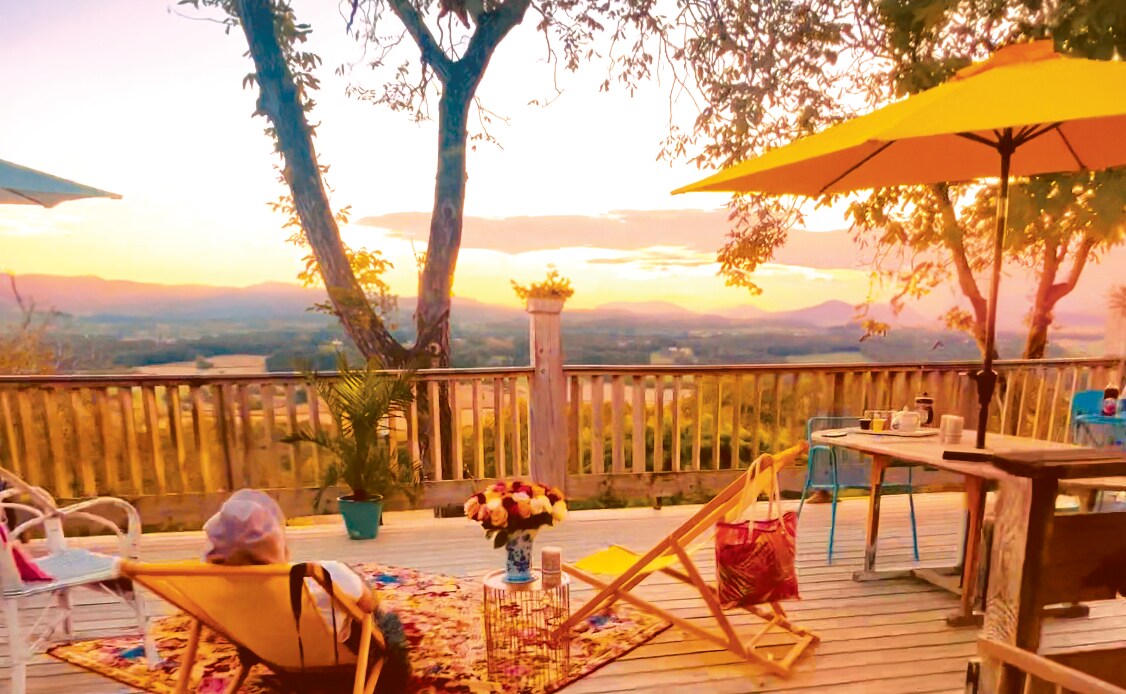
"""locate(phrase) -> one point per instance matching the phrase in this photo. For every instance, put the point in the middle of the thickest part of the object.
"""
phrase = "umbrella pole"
(987, 377)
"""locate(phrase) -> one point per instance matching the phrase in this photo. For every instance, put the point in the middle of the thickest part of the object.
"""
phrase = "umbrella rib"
(26, 197)
(978, 138)
(1067, 143)
(854, 167)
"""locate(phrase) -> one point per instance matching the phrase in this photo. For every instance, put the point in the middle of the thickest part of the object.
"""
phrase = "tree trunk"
(435, 283)
(280, 101)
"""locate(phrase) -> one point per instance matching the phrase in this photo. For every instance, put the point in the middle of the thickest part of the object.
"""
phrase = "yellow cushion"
(615, 561)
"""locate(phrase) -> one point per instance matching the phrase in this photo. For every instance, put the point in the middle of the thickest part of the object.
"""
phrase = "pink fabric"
(27, 568)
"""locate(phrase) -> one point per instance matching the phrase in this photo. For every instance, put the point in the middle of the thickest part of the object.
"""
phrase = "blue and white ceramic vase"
(518, 567)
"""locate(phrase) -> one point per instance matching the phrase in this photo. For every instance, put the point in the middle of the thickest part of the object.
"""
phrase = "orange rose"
(498, 517)
(524, 508)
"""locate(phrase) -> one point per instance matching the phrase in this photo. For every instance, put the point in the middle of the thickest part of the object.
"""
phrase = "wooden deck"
(878, 638)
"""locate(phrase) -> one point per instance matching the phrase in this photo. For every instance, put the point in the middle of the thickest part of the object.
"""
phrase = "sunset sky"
(134, 97)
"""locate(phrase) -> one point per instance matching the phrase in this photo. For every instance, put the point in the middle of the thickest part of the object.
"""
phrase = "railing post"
(547, 423)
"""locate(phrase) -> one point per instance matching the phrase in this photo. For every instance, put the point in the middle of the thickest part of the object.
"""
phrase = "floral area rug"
(441, 619)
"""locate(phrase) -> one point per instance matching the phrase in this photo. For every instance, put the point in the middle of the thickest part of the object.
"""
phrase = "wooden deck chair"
(251, 607)
(673, 557)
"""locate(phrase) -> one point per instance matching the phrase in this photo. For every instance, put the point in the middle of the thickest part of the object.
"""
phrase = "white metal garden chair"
(68, 567)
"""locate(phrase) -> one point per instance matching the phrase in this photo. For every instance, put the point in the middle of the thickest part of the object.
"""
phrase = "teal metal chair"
(832, 469)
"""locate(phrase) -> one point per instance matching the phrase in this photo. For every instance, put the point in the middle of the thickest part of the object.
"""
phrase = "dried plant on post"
(362, 401)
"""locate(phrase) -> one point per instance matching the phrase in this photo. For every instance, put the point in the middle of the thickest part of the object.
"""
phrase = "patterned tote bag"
(755, 559)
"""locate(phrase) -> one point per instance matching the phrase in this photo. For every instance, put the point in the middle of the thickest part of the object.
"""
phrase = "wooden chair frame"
(677, 544)
(361, 611)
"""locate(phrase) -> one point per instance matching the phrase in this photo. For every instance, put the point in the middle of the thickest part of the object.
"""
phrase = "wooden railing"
(672, 418)
(644, 431)
(1036, 674)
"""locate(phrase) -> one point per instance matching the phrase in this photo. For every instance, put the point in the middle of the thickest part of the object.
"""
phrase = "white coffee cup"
(950, 428)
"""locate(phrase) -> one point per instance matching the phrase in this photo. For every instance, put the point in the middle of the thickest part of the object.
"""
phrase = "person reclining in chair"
(249, 529)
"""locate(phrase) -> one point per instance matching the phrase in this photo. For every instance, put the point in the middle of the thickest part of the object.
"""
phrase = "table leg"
(975, 519)
(871, 539)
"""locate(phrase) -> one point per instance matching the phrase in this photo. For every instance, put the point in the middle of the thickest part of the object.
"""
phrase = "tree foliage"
(26, 346)
(819, 61)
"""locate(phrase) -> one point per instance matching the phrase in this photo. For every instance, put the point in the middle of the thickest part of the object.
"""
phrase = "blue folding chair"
(1084, 402)
(832, 468)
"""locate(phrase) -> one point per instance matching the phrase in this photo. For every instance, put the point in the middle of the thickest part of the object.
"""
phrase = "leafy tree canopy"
(765, 82)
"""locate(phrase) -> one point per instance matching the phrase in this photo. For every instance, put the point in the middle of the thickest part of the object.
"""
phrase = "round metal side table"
(520, 619)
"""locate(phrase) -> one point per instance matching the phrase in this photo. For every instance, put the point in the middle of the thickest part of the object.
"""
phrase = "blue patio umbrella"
(20, 185)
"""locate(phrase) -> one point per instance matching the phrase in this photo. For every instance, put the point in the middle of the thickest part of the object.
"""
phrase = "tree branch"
(279, 99)
(955, 241)
(1064, 288)
(432, 53)
(492, 27)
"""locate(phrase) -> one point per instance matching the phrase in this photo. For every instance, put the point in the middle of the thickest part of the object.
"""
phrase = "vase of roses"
(511, 514)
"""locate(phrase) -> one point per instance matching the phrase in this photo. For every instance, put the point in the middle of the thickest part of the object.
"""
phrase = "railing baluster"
(111, 474)
(250, 474)
(658, 424)
(223, 400)
(457, 444)
(776, 403)
(314, 399)
(432, 399)
(13, 443)
(756, 433)
(152, 428)
(478, 435)
(676, 388)
(30, 438)
(1042, 376)
(637, 461)
(617, 405)
(56, 440)
(413, 432)
(717, 441)
(271, 470)
(1069, 433)
(514, 400)
(575, 422)
(199, 435)
(736, 420)
(176, 432)
(597, 435)
(85, 460)
(129, 425)
(292, 428)
(697, 419)
(1054, 405)
(498, 426)
(1021, 411)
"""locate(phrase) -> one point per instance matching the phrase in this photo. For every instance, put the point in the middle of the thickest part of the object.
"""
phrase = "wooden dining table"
(890, 450)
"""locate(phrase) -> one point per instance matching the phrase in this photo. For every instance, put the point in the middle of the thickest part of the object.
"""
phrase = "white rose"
(559, 511)
(540, 504)
(520, 496)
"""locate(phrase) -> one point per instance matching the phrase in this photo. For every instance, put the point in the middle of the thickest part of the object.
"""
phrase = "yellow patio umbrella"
(1026, 110)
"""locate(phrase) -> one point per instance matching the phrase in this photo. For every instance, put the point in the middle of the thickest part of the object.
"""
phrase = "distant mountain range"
(99, 299)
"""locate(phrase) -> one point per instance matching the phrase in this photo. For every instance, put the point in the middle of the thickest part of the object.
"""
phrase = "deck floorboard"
(877, 638)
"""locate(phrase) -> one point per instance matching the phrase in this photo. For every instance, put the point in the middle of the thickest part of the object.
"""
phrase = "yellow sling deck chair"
(631, 568)
(251, 607)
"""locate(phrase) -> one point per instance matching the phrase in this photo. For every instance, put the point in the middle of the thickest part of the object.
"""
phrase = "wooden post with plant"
(547, 418)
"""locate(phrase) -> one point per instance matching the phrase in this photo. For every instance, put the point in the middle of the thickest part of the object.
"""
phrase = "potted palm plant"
(361, 400)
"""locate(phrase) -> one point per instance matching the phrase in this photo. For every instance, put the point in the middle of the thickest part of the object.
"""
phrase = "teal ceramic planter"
(361, 518)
